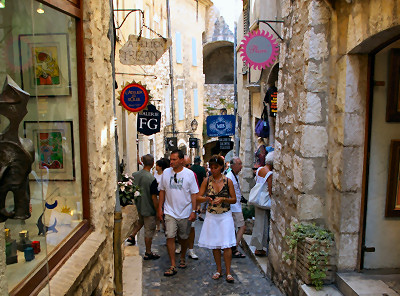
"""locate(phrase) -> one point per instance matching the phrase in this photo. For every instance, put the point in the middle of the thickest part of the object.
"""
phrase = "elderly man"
(236, 167)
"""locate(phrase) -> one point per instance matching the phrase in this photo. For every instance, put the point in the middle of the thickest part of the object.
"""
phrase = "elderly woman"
(218, 231)
(260, 236)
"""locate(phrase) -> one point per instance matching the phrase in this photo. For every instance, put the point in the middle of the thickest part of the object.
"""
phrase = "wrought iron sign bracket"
(130, 11)
(267, 22)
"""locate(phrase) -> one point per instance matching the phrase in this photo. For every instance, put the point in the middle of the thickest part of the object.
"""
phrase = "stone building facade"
(87, 267)
(332, 138)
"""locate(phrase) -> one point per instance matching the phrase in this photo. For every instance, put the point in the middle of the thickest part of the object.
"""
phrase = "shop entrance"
(380, 249)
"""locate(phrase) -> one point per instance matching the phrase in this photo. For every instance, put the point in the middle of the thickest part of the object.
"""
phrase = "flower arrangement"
(128, 191)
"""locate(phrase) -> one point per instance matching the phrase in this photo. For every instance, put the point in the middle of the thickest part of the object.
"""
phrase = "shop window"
(38, 50)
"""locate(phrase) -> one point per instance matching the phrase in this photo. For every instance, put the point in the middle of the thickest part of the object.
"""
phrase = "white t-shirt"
(178, 200)
(237, 207)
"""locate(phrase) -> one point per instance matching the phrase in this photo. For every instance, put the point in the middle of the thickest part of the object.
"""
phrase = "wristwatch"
(194, 211)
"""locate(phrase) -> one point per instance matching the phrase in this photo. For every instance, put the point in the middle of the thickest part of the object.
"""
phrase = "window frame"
(38, 278)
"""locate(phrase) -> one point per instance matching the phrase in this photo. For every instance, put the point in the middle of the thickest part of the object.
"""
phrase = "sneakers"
(192, 255)
(178, 249)
(131, 241)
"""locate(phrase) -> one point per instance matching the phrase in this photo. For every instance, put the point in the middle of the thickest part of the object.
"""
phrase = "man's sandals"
(230, 279)
(237, 254)
(170, 271)
(150, 256)
(216, 275)
(182, 263)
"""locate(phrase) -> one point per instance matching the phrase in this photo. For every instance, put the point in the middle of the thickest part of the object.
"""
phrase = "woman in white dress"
(260, 236)
(218, 231)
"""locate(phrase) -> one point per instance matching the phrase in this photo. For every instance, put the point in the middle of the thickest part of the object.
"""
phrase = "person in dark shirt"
(201, 175)
(146, 205)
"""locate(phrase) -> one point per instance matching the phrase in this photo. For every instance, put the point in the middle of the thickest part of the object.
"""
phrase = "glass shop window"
(39, 129)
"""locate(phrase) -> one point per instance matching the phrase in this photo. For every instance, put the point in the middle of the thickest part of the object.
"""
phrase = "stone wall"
(320, 128)
(301, 136)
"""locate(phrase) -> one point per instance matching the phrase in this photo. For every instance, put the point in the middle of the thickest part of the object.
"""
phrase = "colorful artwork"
(47, 71)
(393, 188)
(54, 150)
(51, 153)
(44, 62)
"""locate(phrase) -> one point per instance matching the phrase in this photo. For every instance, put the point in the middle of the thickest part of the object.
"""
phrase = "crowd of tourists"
(176, 193)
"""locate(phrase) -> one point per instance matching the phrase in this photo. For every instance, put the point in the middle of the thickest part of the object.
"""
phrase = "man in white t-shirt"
(236, 167)
(178, 191)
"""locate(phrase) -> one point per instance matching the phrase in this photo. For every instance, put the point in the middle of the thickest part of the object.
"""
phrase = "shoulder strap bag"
(259, 195)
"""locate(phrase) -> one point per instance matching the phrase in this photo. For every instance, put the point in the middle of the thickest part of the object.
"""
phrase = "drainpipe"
(235, 95)
(117, 212)
(171, 69)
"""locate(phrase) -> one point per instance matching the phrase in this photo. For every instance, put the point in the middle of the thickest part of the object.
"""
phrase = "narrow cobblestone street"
(196, 278)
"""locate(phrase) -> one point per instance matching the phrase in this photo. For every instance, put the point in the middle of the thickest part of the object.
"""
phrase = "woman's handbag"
(259, 195)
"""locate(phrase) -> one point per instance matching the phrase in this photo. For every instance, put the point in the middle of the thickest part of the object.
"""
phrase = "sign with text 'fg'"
(149, 121)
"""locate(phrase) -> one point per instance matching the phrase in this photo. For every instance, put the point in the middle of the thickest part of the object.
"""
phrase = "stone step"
(358, 284)
(327, 290)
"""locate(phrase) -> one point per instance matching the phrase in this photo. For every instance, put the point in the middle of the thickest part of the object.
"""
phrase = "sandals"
(230, 279)
(237, 254)
(170, 271)
(216, 275)
(182, 263)
(151, 256)
(260, 253)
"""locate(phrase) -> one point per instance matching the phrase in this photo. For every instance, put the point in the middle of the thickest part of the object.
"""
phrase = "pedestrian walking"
(200, 174)
(237, 214)
(260, 235)
(218, 231)
(146, 205)
(178, 192)
(161, 165)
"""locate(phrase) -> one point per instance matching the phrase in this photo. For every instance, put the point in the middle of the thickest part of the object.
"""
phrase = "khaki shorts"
(149, 225)
(177, 226)
(238, 219)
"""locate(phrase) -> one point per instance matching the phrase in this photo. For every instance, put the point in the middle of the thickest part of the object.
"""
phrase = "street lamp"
(194, 124)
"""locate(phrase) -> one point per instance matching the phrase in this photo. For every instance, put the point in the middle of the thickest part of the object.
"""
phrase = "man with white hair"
(238, 219)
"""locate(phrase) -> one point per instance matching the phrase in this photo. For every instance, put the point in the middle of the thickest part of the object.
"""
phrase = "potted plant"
(128, 191)
(311, 247)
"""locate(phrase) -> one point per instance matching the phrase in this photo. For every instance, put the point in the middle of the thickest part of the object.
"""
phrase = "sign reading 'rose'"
(259, 49)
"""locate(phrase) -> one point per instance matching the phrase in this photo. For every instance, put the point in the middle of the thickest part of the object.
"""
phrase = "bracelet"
(194, 211)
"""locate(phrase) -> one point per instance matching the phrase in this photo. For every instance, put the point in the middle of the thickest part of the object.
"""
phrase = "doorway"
(381, 234)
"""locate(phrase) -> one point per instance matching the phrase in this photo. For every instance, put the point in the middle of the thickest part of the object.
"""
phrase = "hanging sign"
(172, 143)
(220, 125)
(143, 51)
(193, 143)
(259, 49)
(134, 97)
(225, 143)
(149, 121)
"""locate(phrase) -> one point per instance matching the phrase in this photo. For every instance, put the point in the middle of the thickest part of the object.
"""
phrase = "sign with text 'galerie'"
(259, 49)
(143, 51)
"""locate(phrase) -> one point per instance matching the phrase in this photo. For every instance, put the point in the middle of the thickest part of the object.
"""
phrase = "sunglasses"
(175, 179)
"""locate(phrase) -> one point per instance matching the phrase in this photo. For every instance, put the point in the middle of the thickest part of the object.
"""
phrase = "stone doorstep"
(132, 274)
(261, 262)
(358, 284)
(327, 290)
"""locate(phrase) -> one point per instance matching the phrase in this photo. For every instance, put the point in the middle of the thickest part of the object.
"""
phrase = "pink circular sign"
(259, 49)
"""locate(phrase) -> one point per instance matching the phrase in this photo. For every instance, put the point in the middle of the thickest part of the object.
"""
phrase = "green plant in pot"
(313, 244)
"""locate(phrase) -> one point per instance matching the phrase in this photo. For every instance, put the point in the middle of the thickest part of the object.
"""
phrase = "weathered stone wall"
(3, 278)
(320, 128)
(301, 128)
(100, 126)
(218, 96)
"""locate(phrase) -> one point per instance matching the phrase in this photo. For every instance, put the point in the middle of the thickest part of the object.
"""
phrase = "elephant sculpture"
(16, 154)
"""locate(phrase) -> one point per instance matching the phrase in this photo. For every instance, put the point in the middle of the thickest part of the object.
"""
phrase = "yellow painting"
(47, 71)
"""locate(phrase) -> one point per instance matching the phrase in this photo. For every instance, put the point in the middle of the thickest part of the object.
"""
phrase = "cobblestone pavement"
(196, 278)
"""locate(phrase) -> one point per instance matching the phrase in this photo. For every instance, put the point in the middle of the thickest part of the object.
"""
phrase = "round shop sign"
(134, 97)
(259, 49)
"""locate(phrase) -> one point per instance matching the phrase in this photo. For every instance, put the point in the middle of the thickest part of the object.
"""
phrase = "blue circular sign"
(134, 97)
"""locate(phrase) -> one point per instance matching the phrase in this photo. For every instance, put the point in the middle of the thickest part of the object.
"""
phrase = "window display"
(38, 50)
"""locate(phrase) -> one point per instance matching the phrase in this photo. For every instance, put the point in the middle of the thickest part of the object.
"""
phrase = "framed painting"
(393, 187)
(44, 61)
(393, 90)
(54, 150)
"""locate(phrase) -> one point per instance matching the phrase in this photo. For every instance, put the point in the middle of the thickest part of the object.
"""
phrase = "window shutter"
(194, 52)
(178, 44)
(167, 104)
(181, 105)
